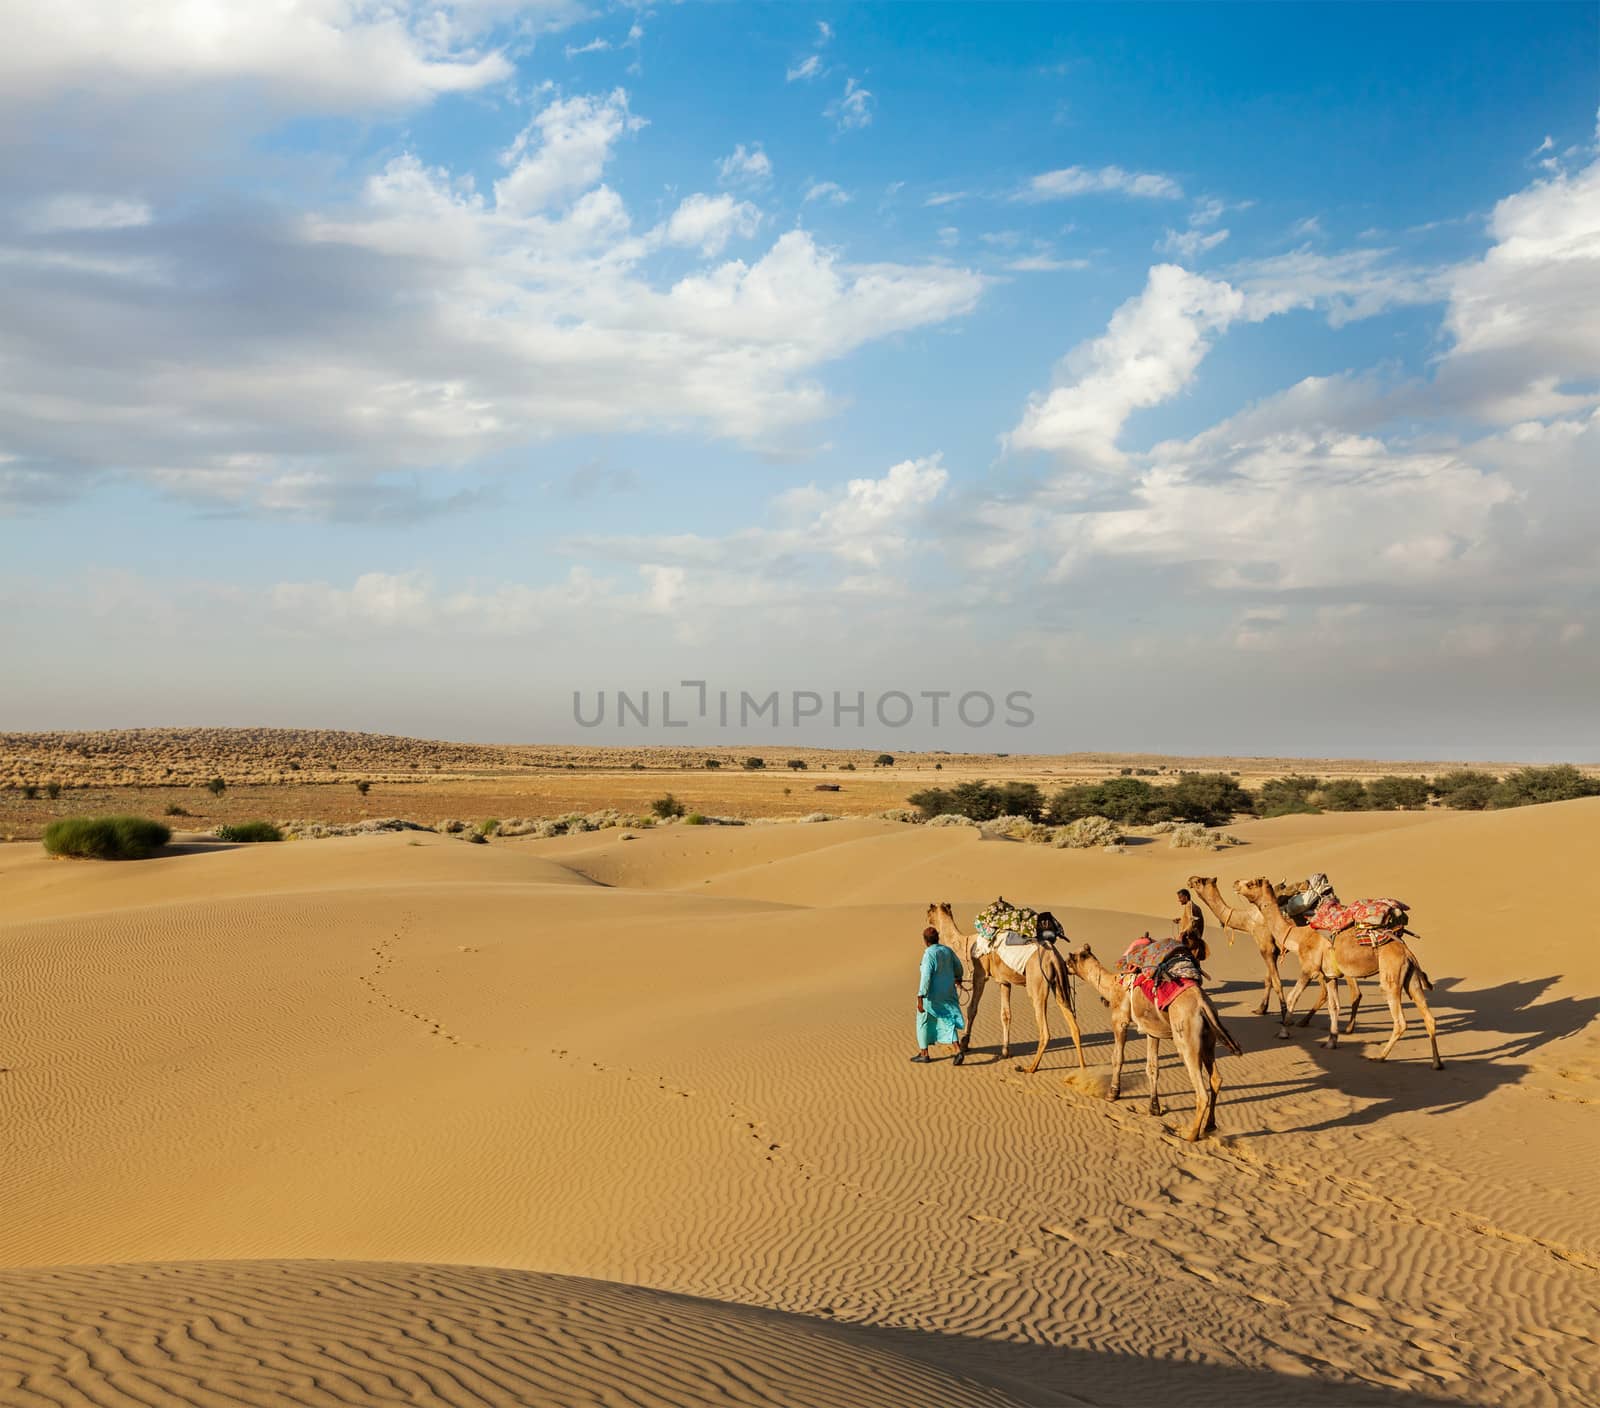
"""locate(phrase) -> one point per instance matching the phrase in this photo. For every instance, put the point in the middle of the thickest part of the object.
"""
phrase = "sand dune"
(677, 1064)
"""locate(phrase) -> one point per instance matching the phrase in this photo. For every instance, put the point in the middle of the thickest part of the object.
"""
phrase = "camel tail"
(1059, 978)
(1215, 1023)
(1418, 970)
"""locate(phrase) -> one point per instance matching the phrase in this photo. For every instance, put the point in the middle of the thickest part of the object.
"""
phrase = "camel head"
(1200, 882)
(1252, 889)
(1075, 959)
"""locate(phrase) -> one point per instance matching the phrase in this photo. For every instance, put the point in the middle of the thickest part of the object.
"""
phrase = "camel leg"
(1316, 1007)
(1216, 1091)
(1039, 991)
(1355, 1002)
(1294, 998)
(1188, 1044)
(1119, 1046)
(1152, 1070)
(1005, 1020)
(1391, 993)
(1414, 988)
(1274, 986)
(1331, 987)
(1072, 1026)
(979, 978)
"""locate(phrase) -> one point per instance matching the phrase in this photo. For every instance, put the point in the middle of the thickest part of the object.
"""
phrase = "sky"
(1198, 378)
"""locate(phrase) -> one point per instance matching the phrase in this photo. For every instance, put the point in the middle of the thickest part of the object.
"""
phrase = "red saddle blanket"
(1331, 916)
(1163, 992)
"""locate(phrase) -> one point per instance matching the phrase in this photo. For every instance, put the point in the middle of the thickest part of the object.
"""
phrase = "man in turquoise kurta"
(939, 1019)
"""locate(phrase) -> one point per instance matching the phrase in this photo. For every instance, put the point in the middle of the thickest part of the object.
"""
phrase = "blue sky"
(412, 366)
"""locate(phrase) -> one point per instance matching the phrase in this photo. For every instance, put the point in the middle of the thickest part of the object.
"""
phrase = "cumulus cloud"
(335, 54)
(709, 222)
(563, 150)
(1151, 348)
(830, 191)
(1104, 180)
(745, 166)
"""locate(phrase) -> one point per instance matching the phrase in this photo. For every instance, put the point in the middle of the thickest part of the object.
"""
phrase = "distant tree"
(216, 787)
(636, 766)
(1465, 790)
(883, 760)
(938, 767)
(30, 791)
(1211, 798)
(52, 790)
(931, 802)
(1530, 786)
(1021, 799)
(754, 764)
(1343, 794)
(1285, 796)
(1390, 793)
(667, 806)
(847, 767)
(713, 763)
(797, 764)
(363, 787)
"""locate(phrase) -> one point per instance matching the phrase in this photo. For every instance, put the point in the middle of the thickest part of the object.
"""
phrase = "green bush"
(106, 837)
(30, 792)
(932, 802)
(249, 831)
(1287, 796)
(216, 787)
(797, 764)
(1389, 793)
(176, 810)
(488, 828)
(1465, 790)
(363, 787)
(1343, 794)
(52, 790)
(667, 806)
(1210, 798)
(754, 764)
(883, 760)
(1530, 786)
(980, 801)
(713, 763)
(694, 819)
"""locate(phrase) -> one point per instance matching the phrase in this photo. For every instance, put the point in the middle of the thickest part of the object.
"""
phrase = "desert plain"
(627, 1117)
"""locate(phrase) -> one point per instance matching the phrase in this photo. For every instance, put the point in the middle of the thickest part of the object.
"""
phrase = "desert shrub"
(106, 837)
(490, 827)
(450, 828)
(176, 810)
(1391, 793)
(1013, 826)
(1530, 786)
(819, 816)
(1192, 835)
(847, 767)
(1210, 798)
(363, 787)
(1287, 796)
(1129, 800)
(713, 763)
(477, 838)
(249, 831)
(694, 819)
(883, 760)
(797, 764)
(754, 764)
(1343, 794)
(951, 819)
(1465, 790)
(931, 802)
(216, 787)
(52, 790)
(908, 814)
(667, 806)
(1087, 832)
(30, 791)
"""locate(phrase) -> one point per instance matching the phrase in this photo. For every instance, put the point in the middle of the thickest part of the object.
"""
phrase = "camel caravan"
(1156, 986)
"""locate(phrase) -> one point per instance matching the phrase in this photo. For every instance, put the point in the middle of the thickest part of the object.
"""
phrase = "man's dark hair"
(1183, 894)
(930, 935)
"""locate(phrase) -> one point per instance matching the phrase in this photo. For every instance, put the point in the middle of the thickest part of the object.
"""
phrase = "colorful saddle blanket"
(1332, 917)
(1003, 917)
(1298, 898)
(1158, 961)
(1163, 991)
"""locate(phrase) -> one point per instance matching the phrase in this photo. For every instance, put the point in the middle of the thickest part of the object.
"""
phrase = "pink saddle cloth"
(1331, 916)
(1163, 993)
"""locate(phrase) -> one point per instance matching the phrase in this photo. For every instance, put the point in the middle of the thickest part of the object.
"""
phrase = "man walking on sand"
(1191, 922)
(939, 1019)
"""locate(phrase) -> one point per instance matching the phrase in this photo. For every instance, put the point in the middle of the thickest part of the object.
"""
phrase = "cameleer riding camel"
(1249, 921)
(1044, 976)
(1190, 1023)
(1325, 956)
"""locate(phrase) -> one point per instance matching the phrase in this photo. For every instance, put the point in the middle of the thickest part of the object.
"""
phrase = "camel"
(1045, 976)
(1326, 956)
(1190, 1023)
(1253, 923)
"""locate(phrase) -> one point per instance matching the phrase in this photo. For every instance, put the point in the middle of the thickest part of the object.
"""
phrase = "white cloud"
(1149, 351)
(745, 166)
(808, 68)
(563, 150)
(949, 236)
(1307, 228)
(945, 198)
(1044, 264)
(1351, 285)
(869, 522)
(1081, 180)
(1189, 244)
(852, 109)
(413, 602)
(86, 212)
(709, 222)
(829, 191)
(594, 46)
(824, 31)
(331, 54)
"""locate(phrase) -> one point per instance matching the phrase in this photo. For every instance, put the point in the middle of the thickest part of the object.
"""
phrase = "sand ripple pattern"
(332, 1334)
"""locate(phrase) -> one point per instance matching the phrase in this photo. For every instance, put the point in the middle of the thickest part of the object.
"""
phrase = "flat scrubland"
(312, 774)
(586, 1120)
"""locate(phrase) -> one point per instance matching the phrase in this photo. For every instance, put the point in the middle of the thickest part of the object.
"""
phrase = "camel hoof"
(1261, 1011)
(1438, 1065)
(1284, 1034)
